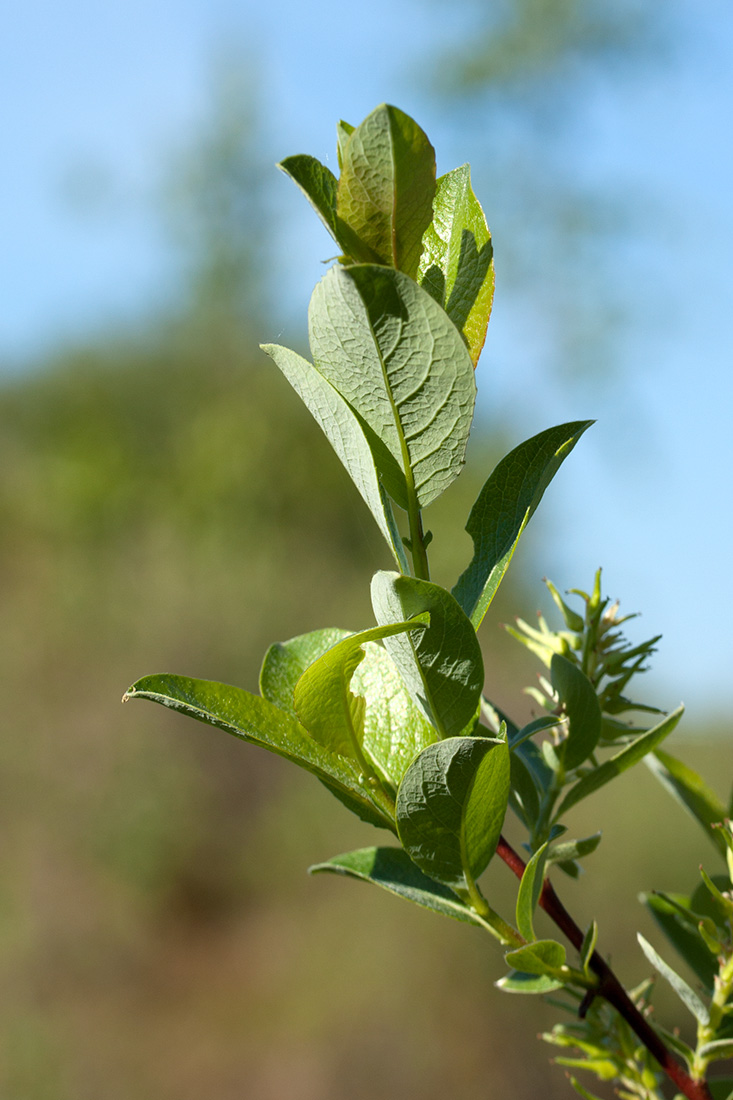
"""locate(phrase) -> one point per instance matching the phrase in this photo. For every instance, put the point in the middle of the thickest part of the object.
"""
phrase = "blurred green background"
(167, 505)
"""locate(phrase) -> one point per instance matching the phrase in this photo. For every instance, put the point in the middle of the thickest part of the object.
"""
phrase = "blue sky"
(97, 96)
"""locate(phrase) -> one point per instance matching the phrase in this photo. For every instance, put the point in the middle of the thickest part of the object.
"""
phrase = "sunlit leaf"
(688, 788)
(318, 184)
(503, 509)
(686, 994)
(540, 957)
(442, 666)
(528, 895)
(451, 806)
(582, 711)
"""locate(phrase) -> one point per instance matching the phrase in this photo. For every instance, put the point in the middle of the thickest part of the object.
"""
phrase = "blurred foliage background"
(167, 505)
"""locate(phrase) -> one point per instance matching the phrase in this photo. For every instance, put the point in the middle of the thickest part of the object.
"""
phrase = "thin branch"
(609, 987)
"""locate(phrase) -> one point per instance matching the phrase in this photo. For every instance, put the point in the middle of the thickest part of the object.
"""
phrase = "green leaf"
(503, 509)
(573, 849)
(683, 935)
(686, 994)
(451, 806)
(344, 130)
(620, 762)
(393, 870)
(347, 436)
(456, 265)
(717, 1050)
(318, 184)
(518, 982)
(582, 710)
(385, 193)
(396, 358)
(285, 662)
(524, 797)
(540, 957)
(323, 699)
(395, 729)
(537, 725)
(442, 667)
(721, 1088)
(588, 946)
(259, 722)
(530, 888)
(692, 792)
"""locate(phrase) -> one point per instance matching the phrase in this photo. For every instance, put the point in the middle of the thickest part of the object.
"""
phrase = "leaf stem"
(609, 987)
(417, 541)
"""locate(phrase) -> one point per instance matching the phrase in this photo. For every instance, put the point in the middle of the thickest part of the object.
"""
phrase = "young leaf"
(540, 957)
(395, 729)
(620, 762)
(451, 806)
(385, 192)
(518, 982)
(347, 436)
(588, 946)
(442, 666)
(397, 359)
(393, 870)
(687, 995)
(259, 722)
(318, 184)
(570, 850)
(456, 265)
(692, 792)
(524, 797)
(582, 710)
(323, 699)
(537, 725)
(503, 509)
(717, 1050)
(344, 130)
(530, 888)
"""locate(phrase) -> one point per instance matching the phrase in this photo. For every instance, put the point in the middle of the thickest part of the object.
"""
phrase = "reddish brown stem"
(609, 987)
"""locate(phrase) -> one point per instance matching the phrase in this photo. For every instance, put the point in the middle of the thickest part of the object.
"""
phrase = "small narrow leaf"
(259, 722)
(442, 666)
(692, 792)
(530, 888)
(582, 710)
(503, 509)
(456, 265)
(717, 1050)
(687, 995)
(323, 699)
(385, 193)
(683, 935)
(573, 849)
(344, 130)
(537, 725)
(541, 957)
(397, 359)
(451, 806)
(518, 982)
(318, 184)
(346, 434)
(588, 946)
(393, 870)
(619, 763)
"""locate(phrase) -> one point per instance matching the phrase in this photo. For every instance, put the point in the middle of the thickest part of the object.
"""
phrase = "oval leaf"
(385, 193)
(540, 957)
(530, 888)
(451, 806)
(397, 359)
(442, 666)
(457, 261)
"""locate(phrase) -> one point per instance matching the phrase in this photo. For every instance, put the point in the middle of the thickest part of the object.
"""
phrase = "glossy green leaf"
(456, 265)
(323, 699)
(393, 870)
(540, 957)
(682, 934)
(259, 722)
(518, 982)
(582, 711)
(318, 184)
(528, 895)
(386, 189)
(503, 509)
(347, 436)
(623, 760)
(441, 666)
(396, 358)
(395, 729)
(686, 994)
(688, 788)
(451, 806)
